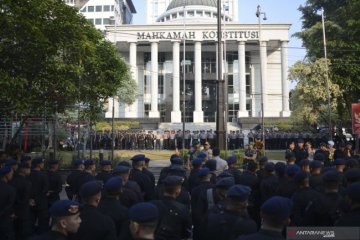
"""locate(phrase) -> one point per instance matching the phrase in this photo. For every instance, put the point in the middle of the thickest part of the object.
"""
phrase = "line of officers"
(215, 200)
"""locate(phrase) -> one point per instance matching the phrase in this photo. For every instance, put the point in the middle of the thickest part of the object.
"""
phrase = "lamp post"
(113, 99)
(258, 15)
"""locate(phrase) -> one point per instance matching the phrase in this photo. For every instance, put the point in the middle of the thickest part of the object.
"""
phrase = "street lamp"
(258, 15)
(113, 98)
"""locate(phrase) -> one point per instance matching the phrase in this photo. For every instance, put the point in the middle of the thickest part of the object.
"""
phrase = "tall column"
(198, 113)
(284, 80)
(154, 112)
(133, 108)
(263, 66)
(176, 113)
(242, 77)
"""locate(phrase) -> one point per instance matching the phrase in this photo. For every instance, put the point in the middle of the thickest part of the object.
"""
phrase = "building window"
(168, 18)
(112, 8)
(98, 8)
(91, 20)
(147, 108)
(174, 16)
(248, 84)
(181, 14)
(190, 13)
(230, 84)
(161, 84)
(106, 8)
(90, 8)
(83, 9)
(208, 14)
(106, 21)
(98, 21)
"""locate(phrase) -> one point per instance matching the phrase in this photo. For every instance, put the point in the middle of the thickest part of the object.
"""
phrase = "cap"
(279, 207)
(226, 182)
(143, 212)
(124, 163)
(270, 167)
(291, 170)
(202, 155)
(353, 191)
(239, 192)
(89, 162)
(4, 170)
(231, 160)
(300, 177)
(339, 161)
(90, 189)
(315, 164)
(196, 162)
(78, 162)
(37, 160)
(211, 164)
(105, 162)
(225, 174)
(10, 162)
(113, 184)
(331, 177)
(63, 208)
(177, 161)
(173, 181)
(203, 172)
(138, 158)
(53, 162)
(263, 159)
(121, 169)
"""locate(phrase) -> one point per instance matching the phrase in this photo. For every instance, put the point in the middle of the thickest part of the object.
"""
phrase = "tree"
(342, 24)
(51, 58)
(310, 97)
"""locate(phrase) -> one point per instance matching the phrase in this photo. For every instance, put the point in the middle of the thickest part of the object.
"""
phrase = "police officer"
(55, 182)
(269, 183)
(232, 140)
(275, 214)
(249, 155)
(94, 225)
(287, 187)
(300, 152)
(136, 174)
(315, 179)
(7, 201)
(232, 169)
(143, 221)
(232, 220)
(172, 140)
(352, 219)
(211, 137)
(179, 138)
(203, 137)
(109, 205)
(105, 173)
(147, 172)
(71, 179)
(66, 220)
(166, 137)
(323, 150)
(187, 138)
(87, 175)
(174, 220)
(193, 179)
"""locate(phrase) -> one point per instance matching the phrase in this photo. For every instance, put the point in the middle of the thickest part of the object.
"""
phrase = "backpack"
(168, 226)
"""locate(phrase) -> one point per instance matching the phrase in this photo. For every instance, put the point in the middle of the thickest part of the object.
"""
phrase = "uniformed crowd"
(212, 200)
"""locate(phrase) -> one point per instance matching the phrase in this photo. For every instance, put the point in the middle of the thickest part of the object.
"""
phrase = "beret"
(353, 191)
(63, 208)
(225, 182)
(196, 162)
(203, 172)
(24, 165)
(143, 212)
(113, 184)
(5, 170)
(300, 177)
(304, 162)
(239, 192)
(291, 170)
(147, 159)
(78, 162)
(10, 162)
(277, 206)
(331, 177)
(105, 162)
(300, 140)
(38, 160)
(53, 162)
(225, 174)
(90, 189)
(195, 142)
(280, 167)
(231, 160)
(138, 158)
(339, 161)
(173, 181)
(202, 155)
(211, 164)
(263, 159)
(121, 169)
(315, 164)
(177, 161)
(177, 170)
(270, 167)
(352, 175)
(89, 162)
(319, 157)
(124, 163)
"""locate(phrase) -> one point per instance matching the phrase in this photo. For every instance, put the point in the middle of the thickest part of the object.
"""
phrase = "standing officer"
(94, 225)
(232, 169)
(187, 138)
(172, 140)
(166, 137)
(143, 221)
(105, 173)
(158, 141)
(211, 137)
(232, 140)
(87, 175)
(7, 201)
(174, 221)
(72, 178)
(66, 220)
(352, 219)
(300, 152)
(55, 182)
(203, 137)
(323, 150)
(179, 138)
(136, 174)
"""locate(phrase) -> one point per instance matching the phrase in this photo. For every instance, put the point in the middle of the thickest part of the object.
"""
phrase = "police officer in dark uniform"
(174, 220)
(109, 205)
(39, 190)
(179, 138)
(147, 172)
(142, 179)
(87, 175)
(232, 220)
(66, 221)
(71, 179)
(236, 173)
(105, 173)
(269, 183)
(300, 152)
(55, 182)
(94, 225)
(193, 179)
(315, 179)
(166, 137)
(323, 150)
(287, 186)
(7, 201)
(352, 219)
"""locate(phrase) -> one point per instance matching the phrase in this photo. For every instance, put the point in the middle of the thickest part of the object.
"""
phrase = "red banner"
(356, 118)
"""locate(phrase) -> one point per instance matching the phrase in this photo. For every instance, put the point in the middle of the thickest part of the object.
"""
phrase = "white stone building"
(155, 52)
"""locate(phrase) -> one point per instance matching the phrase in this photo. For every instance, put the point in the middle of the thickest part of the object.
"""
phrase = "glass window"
(98, 8)
(112, 8)
(98, 21)
(83, 9)
(190, 13)
(161, 84)
(106, 21)
(106, 8)
(90, 8)
(174, 16)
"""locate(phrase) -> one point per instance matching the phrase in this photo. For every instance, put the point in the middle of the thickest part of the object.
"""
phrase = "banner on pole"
(356, 118)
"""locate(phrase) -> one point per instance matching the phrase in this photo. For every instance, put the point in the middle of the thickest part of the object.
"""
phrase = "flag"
(356, 118)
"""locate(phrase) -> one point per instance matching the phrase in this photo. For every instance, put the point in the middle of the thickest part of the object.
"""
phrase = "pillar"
(133, 108)
(176, 113)
(198, 113)
(263, 74)
(242, 77)
(154, 112)
(284, 80)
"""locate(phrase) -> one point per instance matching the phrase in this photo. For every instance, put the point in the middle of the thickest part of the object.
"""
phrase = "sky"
(277, 11)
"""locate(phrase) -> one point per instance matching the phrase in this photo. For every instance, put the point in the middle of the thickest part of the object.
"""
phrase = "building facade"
(174, 64)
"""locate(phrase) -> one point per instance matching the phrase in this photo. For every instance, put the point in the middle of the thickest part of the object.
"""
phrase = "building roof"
(180, 3)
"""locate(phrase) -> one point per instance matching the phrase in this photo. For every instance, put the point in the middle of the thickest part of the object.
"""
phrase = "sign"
(356, 118)
(198, 35)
